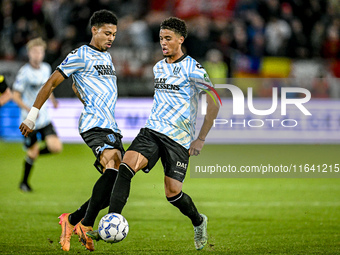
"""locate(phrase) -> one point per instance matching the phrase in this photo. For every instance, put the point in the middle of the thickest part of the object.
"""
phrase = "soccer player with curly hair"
(95, 83)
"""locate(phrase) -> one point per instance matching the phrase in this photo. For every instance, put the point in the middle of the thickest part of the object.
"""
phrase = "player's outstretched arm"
(54, 101)
(28, 124)
(212, 111)
(5, 96)
(17, 98)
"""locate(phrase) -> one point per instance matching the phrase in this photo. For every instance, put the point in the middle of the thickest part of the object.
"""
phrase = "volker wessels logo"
(239, 107)
(104, 70)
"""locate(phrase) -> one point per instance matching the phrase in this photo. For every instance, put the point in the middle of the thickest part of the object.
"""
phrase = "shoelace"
(198, 232)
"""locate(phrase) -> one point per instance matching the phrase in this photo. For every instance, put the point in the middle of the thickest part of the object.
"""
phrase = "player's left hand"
(196, 147)
(27, 127)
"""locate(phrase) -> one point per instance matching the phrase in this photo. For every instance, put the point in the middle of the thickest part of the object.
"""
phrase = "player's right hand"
(196, 147)
(27, 127)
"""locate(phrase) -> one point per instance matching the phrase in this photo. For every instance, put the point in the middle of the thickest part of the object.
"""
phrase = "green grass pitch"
(246, 215)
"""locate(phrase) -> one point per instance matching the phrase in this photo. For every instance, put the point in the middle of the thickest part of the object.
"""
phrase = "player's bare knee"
(53, 144)
(117, 159)
(171, 193)
(171, 190)
(110, 158)
(33, 156)
(110, 164)
(33, 152)
(135, 160)
(57, 147)
(172, 186)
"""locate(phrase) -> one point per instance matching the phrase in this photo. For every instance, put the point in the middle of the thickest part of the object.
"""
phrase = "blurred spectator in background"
(215, 66)
(254, 24)
(335, 67)
(297, 44)
(58, 14)
(255, 33)
(331, 46)
(198, 41)
(316, 39)
(268, 9)
(240, 29)
(79, 18)
(287, 12)
(7, 50)
(20, 35)
(135, 33)
(240, 38)
(320, 87)
(277, 34)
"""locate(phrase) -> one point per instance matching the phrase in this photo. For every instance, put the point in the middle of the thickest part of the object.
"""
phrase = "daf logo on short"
(182, 165)
(176, 70)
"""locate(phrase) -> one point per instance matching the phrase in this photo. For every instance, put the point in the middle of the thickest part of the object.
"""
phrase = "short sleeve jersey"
(28, 82)
(177, 87)
(95, 78)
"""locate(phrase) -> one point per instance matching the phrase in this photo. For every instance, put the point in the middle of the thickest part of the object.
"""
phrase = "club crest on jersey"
(65, 61)
(104, 70)
(176, 70)
(111, 138)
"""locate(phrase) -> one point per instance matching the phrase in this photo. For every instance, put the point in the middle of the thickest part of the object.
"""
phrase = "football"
(113, 228)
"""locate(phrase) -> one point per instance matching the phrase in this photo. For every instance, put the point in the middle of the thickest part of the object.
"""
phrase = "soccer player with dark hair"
(170, 130)
(27, 84)
(5, 92)
(95, 83)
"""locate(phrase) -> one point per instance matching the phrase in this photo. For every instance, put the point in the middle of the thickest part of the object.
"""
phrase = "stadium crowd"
(219, 30)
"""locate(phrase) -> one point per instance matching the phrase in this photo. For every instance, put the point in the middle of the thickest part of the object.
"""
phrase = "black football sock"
(185, 204)
(44, 151)
(106, 202)
(121, 189)
(27, 169)
(101, 190)
(79, 214)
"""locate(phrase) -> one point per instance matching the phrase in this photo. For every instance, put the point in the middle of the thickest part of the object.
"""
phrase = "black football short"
(154, 145)
(39, 134)
(99, 139)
